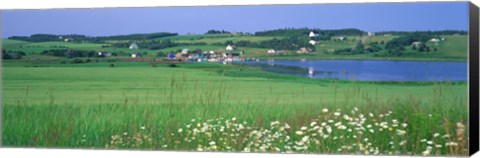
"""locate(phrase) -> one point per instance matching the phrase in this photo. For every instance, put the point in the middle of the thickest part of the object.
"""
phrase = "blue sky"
(116, 21)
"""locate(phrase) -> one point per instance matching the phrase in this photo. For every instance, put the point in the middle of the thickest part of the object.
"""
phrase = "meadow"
(232, 108)
(452, 49)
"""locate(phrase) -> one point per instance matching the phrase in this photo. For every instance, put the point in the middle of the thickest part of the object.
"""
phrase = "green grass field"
(214, 107)
(48, 102)
(454, 48)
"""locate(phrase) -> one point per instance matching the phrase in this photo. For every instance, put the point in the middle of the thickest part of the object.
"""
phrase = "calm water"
(379, 70)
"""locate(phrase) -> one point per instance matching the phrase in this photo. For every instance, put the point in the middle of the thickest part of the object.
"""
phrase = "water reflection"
(374, 70)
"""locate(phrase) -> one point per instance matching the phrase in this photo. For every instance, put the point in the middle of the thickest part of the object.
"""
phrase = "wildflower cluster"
(126, 140)
(332, 131)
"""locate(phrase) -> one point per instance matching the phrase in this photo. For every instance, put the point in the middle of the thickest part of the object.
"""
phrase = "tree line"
(289, 43)
(154, 44)
(7, 54)
(396, 46)
(83, 38)
(304, 32)
(437, 33)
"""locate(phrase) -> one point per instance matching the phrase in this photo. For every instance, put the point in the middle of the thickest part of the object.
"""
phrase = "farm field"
(361, 79)
(215, 107)
(66, 95)
(453, 49)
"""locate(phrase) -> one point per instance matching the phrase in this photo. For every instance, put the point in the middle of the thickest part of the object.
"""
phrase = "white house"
(271, 51)
(184, 51)
(68, 39)
(312, 34)
(416, 44)
(313, 42)
(230, 47)
(133, 46)
(436, 40)
(371, 33)
(136, 55)
(341, 38)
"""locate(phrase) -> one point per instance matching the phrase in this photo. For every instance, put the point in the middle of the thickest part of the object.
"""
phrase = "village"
(231, 54)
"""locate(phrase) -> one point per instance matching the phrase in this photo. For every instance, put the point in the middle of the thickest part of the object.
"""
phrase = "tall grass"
(211, 117)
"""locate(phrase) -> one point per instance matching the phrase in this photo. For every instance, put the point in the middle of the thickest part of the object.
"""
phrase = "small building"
(371, 33)
(271, 51)
(104, 54)
(230, 47)
(416, 44)
(313, 42)
(341, 38)
(312, 34)
(304, 50)
(68, 39)
(180, 55)
(436, 40)
(170, 56)
(194, 56)
(136, 55)
(184, 51)
(133, 46)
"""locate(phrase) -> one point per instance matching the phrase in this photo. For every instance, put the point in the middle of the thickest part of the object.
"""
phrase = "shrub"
(77, 61)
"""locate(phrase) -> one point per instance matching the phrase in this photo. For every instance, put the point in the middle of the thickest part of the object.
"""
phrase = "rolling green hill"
(453, 48)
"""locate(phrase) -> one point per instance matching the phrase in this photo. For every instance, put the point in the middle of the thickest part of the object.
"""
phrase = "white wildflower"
(240, 127)
(401, 132)
(305, 139)
(212, 143)
(325, 110)
(299, 132)
(451, 144)
(329, 129)
(274, 123)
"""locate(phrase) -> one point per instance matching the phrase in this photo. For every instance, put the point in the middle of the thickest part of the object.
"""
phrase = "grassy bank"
(213, 107)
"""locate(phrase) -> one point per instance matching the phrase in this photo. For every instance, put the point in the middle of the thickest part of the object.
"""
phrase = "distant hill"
(73, 37)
